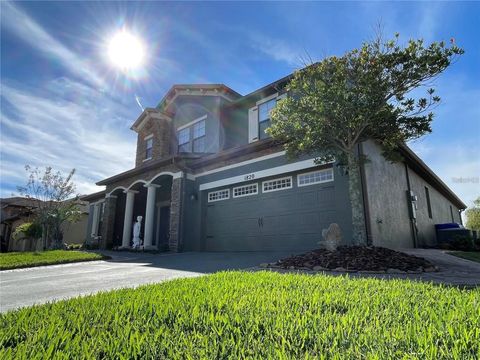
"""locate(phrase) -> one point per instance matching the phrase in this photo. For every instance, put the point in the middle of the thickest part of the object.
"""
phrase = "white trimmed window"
(264, 117)
(148, 147)
(219, 195)
(277, 184)
(192, 136)
(199, 137)
(246, 190)
(184, 140)
(315, 177)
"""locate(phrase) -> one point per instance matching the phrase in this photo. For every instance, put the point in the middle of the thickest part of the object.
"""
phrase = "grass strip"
(17, 260)
(469, 255)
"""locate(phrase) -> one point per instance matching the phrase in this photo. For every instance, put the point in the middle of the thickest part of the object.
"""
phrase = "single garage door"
(274, 214)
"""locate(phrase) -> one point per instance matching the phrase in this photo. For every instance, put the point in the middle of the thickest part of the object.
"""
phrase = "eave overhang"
(148, 112)
(172, 160)
(424, 171)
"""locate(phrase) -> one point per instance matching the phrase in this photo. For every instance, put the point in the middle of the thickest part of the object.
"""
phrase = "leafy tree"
(55, 202)
(473, 215)
(335, 104)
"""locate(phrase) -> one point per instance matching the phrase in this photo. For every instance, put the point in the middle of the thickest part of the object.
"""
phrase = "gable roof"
(147, 111)
(185, 89)
(188, 90)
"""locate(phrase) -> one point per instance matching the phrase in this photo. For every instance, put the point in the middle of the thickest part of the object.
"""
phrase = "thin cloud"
(24, 27)
(279, 50)
(42, 129)
(137, 99)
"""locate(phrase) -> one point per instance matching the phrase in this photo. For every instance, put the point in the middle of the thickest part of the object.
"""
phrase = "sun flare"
(126, 51)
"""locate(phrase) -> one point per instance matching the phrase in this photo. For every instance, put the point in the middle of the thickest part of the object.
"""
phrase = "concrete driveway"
(25, 287)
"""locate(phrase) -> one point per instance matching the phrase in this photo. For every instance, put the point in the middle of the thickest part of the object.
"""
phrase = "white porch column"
(95, 219)
(128, 219)
(149, 216)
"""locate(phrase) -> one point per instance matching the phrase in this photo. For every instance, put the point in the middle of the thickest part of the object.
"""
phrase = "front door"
(164, 227)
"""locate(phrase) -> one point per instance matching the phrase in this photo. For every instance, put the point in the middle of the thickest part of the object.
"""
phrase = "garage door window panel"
(277, 184)
(315, 177)
(219, 195)
(246, 190)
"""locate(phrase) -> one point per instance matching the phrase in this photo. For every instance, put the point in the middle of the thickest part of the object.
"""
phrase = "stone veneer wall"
(161, 129)
(175, 242)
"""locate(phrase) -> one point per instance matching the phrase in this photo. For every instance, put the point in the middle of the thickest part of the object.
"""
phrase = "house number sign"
(249, 177)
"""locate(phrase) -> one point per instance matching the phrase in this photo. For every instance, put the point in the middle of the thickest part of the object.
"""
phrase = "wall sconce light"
(342, 169)
(193, 197)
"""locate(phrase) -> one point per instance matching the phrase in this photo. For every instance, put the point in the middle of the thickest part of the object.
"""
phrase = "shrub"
(73, 246)
(91, 246)
(29, 230)
(462, 242)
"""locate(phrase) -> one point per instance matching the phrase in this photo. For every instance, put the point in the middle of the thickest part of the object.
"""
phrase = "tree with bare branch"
(55, 201)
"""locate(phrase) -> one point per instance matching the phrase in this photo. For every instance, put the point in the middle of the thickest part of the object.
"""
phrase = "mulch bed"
(355, 258)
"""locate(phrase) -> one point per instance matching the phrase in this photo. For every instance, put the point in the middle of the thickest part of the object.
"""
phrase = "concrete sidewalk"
(452, 269)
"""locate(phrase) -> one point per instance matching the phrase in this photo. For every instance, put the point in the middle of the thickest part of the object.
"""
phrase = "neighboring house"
(15, 211)
(18, 210)
(208, 178)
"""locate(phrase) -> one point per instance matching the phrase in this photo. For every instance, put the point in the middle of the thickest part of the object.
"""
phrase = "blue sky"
(63, 104)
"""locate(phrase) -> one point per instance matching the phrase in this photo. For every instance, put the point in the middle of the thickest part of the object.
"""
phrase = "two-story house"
(208, 178)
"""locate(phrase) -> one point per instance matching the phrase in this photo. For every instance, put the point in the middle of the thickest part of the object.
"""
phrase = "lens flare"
(126, 51)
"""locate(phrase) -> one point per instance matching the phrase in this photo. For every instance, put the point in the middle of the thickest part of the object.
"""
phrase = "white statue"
(137, 242)
(332, 237)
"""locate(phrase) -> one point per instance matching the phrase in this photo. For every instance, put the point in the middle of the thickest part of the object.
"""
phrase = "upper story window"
(184, 140)
(264, 117)
(191, 137)
(259, 118)
(429, 205)
(148, 148)
(199, 137)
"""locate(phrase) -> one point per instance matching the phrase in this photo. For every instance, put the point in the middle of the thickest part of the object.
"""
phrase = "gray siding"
(388, 205)
(440, 210)
(235, 124)
(192, 217)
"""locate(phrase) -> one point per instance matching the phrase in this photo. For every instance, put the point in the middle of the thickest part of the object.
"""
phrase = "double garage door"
(268, 215)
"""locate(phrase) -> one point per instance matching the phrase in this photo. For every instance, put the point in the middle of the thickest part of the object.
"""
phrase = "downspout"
(366, 209)
(413, 221)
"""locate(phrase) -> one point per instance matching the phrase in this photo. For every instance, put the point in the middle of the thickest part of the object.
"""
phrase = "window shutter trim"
(253, 124)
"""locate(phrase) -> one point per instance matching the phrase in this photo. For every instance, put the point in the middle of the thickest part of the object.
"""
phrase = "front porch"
(158, 200)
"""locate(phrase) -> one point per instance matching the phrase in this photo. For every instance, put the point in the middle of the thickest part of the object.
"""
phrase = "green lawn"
(15, 260)
(263, 315)
(469, 255)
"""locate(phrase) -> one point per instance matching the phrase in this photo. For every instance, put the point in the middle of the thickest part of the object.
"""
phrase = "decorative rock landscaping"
(355, 259)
